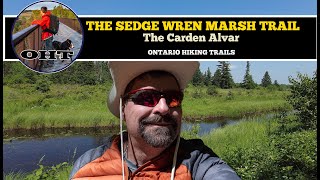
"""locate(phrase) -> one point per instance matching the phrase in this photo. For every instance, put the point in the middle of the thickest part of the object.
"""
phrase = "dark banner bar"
(193, 38)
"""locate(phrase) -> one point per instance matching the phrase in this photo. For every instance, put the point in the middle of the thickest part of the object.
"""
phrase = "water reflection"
(58, 145)
(206, 127)
(25, 154)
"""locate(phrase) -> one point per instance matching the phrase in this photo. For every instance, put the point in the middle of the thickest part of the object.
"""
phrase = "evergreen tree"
(226, 78)
(248, 82)
(17, 73)
(84, 73)
(197, 78)
(266, 80)
(207, 78)
(276, 83)
(78, 73)
(216, 78)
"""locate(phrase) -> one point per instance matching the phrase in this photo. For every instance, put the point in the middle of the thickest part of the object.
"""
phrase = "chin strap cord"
(121, 139)
(175, 157)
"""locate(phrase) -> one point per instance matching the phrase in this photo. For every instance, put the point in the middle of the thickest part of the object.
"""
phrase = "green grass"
(263, 149)
(242, 102)
(14, 176)
(85, 106)
(59, 172)
(62, 106)
(247, 134)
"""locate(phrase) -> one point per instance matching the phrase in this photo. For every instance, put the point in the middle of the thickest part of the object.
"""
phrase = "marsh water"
(22, 150)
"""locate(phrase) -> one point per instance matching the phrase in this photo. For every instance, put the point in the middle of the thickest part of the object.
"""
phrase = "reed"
(246, 134)
(50, 173)
(85, 106)
(14, 176)
(266, 149)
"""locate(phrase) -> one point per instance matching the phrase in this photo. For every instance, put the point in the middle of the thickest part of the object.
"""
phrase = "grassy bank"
(266, 149)
(62, 106)
(59, 172)
(85, 106)
(232, 102)
(255, 149)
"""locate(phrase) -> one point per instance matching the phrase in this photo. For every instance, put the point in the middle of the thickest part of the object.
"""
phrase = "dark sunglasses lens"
(150, 98)
(174, 99)
(147, 98)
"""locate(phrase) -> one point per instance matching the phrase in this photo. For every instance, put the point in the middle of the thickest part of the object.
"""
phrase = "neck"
(140, 152)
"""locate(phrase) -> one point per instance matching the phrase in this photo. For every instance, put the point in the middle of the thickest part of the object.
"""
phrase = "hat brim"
(122, 72)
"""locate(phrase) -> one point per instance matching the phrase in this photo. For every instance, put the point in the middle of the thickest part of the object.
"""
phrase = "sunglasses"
(151, 97)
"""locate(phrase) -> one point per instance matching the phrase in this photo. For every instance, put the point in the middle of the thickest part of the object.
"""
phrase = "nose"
(162, 107)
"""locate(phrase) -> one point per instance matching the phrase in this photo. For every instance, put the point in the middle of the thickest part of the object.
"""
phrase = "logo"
(47, 36)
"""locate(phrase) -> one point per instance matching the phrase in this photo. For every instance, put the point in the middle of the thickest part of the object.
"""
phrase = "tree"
(78, 73)
(207, 77)
(17, 26)
(266, 80)
(226, 78)
(83, 73)
(197, 78)
(17, 73)
(248, 82)
(63, 12)
(102, 71)
(276, 83)
(303, 98)
(216, 78)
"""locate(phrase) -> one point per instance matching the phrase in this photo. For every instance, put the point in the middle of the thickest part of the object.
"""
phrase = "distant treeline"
(222, 78)
(25, 19)
(83, 73)
(97, 72)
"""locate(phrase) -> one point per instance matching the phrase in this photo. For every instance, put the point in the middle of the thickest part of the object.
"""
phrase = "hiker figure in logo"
(49, 25)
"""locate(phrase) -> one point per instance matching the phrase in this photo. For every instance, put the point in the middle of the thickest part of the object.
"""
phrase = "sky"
(49, 5)
(177, 7)
(278, 70)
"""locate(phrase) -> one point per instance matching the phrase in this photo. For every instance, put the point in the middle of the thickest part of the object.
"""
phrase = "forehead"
(157, 80)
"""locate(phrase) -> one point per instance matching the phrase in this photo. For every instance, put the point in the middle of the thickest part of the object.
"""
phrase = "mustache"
(159, 119)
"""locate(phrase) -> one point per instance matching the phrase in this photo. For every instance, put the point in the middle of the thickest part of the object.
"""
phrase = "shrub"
(303, 98)
(230, 96)
(282, 156)
(197, 93)
(43, 85)
(250, 163)
(45, 172)
(212, 91)
(296, 156)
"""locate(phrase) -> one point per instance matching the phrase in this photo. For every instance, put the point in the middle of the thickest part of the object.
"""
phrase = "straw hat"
(123, 72)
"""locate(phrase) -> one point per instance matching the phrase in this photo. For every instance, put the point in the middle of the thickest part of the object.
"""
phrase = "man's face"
(41, 12)
(158, 126)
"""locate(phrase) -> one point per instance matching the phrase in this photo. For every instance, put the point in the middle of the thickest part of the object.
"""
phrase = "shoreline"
(40, 132)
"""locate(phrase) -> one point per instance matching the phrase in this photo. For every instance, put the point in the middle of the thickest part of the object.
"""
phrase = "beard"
(160, 136)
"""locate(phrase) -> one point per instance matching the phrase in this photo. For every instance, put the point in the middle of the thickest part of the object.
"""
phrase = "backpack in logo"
(54, 25)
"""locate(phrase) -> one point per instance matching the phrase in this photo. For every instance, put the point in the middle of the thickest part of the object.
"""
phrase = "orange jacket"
(195, 161)
(44, 23)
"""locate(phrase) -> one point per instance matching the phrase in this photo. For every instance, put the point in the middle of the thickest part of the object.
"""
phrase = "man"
(46, 36)
(148, 97)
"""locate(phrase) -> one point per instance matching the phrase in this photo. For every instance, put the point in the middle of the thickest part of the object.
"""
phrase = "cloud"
(233, 66)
